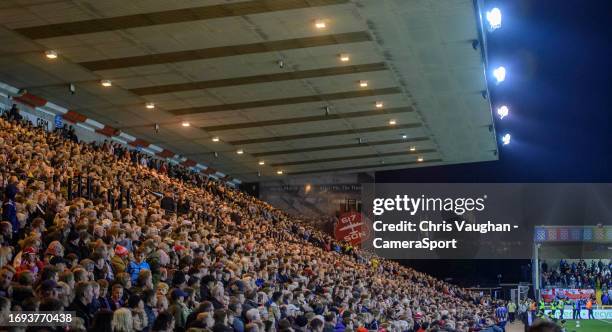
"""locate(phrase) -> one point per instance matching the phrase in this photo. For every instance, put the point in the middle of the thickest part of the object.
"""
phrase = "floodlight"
(506, 139)
(500, 74)
(494, 17)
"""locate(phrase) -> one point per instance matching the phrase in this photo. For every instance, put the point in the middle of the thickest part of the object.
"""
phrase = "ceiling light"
(363, 84)
(413, 148)
(503, 112)
(420, 159)
(261, 162)
(215, 139)
(240, 151)
(279, 172)
(379, 104)
(320, 24)
(494, 16)
(106, 83)
(392, 122)
(345, 57)
(185, 124)
(51, 54)
(404, 136)
(150, 105)
(500, 74)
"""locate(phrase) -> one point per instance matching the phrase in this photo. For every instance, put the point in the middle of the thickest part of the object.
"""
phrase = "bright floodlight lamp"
(503, 112)
(506, 139)
(500, 74)
(494, 17)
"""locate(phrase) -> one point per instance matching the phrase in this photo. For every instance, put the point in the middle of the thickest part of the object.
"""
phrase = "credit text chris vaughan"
(428, 226)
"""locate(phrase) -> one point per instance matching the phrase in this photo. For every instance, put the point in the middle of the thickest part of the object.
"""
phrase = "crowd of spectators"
(578, 274)
(181, 252)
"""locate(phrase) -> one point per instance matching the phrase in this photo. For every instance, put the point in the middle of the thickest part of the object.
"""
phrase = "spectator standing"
(178, 309)
(137, 265)
(83, 293)
(9, 210)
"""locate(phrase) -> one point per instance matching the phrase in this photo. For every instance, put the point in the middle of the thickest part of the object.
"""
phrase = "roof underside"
(215, 64)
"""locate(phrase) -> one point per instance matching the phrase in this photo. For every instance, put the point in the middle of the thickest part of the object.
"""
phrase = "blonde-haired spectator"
(122, 320)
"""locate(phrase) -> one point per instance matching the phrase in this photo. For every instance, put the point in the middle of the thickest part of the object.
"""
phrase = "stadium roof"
(265, 77)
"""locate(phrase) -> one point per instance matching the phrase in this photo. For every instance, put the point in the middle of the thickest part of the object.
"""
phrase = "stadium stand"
(130, 243)
(578, 274)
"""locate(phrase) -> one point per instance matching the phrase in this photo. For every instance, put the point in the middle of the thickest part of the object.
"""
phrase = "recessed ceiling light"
(150, 105)
(404, 136)
(345, 57)
(215, 139)
(51, 54)
(185, 124)
(413, 148)
(420, 159)
(392, 122)
(240, 151)
(279, 172)
(379, 104)
(320, 24)
(261, 162)
(106, 83)
(363, 84)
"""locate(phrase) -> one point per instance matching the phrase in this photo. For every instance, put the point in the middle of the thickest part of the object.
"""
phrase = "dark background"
(558, 56)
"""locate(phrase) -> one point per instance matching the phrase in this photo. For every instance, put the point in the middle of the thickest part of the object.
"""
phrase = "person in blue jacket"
(137, 265)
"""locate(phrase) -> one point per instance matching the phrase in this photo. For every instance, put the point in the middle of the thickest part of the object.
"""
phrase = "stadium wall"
(314, 196)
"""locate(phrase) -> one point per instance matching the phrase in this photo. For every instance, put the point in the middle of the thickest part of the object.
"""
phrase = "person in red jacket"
(30, 262)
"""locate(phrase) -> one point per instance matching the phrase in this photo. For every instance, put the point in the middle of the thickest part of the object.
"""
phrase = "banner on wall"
(351, 228)
(566, 293)
(584, 314)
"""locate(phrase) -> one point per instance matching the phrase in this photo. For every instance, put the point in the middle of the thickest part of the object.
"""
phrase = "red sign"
(549, 294)
(350, 228)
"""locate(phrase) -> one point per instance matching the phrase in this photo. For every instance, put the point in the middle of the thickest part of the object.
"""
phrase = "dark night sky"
(558, 56)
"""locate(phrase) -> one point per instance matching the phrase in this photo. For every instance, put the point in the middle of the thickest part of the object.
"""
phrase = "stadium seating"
(131, 243)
